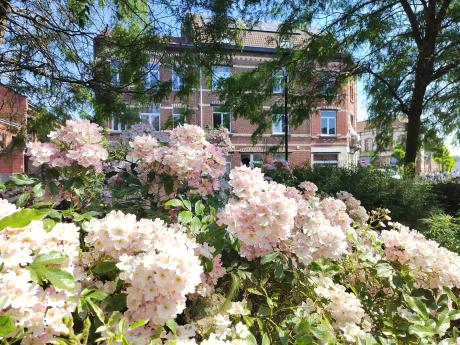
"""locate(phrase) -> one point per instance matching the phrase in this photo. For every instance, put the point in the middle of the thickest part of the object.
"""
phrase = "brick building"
(13, 116)
(328, 137)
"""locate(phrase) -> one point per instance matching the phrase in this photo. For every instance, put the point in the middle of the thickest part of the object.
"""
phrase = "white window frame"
(326, 162)
(115, 69)
(228, 163)
(175, 114)
(175, 78)
(219, 73)
(328, 118)
(278, 85)
(152, 113)
(118, 128)
(153, 71)
(216, 110)
(252, 161)
(277, 122)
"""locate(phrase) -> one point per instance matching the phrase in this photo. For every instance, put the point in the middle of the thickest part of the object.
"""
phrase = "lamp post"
(286, 127)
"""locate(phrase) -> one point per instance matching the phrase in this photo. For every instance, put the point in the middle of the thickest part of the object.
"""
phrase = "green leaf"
(172, 325)
(23, 199)
(98, 311)
(195, 225)
(199, 208)
(104, 267)
(22, 218)
(77, 217)
(384, 270)
(60, 278)
(265, 339)
(38, 190)
(22, 180)
(421, 330)
(269, 258)
(255, 292)
(52, 258)
(417, 305)
(207, 264)
(173, 203)
(185, 217)
(115, 302)
(6, 325)
(138, 324)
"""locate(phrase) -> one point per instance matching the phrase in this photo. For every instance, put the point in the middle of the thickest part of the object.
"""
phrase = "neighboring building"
(13, 117)
(328, 137)
(425, 163)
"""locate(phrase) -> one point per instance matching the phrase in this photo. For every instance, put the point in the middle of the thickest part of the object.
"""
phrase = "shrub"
(444, 229)
(408, 199)
(257, 263)
(448, 194)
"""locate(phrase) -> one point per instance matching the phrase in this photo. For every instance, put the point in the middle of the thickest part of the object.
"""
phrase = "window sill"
(280, 133)
(328, 135)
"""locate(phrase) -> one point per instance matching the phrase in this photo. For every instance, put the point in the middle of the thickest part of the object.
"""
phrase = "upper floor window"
(278, 124)
(221, 118)
(118, 125)
(115, 67)
(176, 81)
(151, 116)
(220, 73)
(178, 117)
(328, 122)
(278, 82)
(152, 76)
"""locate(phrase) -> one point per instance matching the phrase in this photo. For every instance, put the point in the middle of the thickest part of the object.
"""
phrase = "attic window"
(285, 44)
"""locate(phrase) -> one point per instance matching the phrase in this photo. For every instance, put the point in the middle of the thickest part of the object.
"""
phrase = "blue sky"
(362, 115)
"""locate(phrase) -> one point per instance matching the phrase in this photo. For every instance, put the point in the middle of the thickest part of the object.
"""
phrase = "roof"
(262, 34)
(361, 126)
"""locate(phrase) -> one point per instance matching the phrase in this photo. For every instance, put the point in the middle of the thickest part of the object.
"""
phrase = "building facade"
(13, 116)
(425, 163)
(327, 137)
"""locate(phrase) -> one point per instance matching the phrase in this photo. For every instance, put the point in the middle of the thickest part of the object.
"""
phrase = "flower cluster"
(220, 138)
(78, 142)
(309, 189)
(344, 307)
(335, 211)
(6, 208)
(431, 265)
(39, 309)
(262, 216)
(157, 263)
(209, 279)
(355, 210)
(188, 158)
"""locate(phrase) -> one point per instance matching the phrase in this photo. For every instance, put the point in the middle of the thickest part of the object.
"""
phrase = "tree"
(408, 53)
(443, 157)
(66, 54)
(399, 153)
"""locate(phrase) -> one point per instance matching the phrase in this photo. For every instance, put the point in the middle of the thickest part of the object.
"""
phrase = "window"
(178, 117)
(220, 73)
(221, 118)
(176, 81)
(278, 124)
(325, 159)
(252, 159)
(115, 67)
(151, 116)
(228, 164)
(152, 75)
(117, 125)
(368, 145)
(280, 156)
(328, 120)
(278, 82)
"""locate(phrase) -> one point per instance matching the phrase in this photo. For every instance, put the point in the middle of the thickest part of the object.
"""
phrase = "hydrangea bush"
(191, 259)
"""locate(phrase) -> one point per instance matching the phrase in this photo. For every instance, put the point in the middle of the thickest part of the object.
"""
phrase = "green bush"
(443, 229)
(448, 194)
(409, 199)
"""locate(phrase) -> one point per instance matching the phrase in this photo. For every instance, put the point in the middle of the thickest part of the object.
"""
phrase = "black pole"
(286, 137)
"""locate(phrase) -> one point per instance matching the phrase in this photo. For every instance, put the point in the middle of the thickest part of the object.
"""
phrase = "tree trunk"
(412, 140)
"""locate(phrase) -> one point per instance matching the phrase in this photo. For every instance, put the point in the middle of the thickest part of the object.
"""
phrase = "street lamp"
(286, 127)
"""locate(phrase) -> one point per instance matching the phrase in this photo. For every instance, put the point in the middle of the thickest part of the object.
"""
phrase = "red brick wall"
(13, 109)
